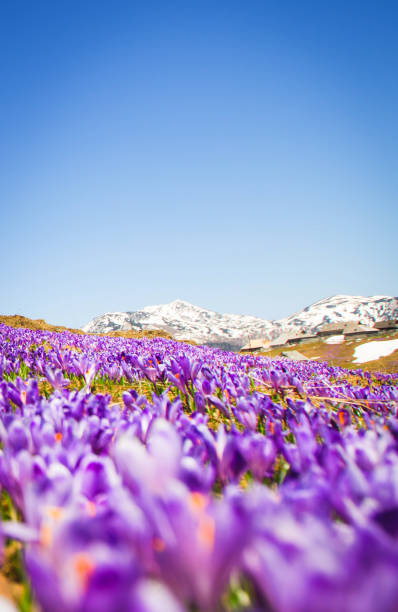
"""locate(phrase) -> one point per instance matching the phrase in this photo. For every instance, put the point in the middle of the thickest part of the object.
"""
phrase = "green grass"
(14, 584)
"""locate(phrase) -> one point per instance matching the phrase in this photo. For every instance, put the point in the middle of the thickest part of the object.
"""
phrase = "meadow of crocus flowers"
(154, 476)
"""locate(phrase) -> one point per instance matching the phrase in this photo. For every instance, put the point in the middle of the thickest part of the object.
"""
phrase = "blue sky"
(239, 155)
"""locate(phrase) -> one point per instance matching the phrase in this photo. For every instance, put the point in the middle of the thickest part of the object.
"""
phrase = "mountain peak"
(179, 302)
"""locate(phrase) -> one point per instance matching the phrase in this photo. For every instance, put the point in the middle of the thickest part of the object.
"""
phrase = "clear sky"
(240, 155)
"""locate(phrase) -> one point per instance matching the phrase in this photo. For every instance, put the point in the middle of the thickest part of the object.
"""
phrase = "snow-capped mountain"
(186, 321)
(338, 309)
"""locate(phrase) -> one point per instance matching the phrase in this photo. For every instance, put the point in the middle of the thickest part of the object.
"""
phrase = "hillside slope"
(17, 321)
(21, 321)
(343, 355)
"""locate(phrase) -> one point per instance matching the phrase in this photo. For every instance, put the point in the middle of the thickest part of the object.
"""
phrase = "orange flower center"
(206, 532)
(197, 501)
(158, 544)
(83, 567)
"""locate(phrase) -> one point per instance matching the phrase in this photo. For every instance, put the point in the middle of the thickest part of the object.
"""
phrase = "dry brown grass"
(26, 323)
(142, 333)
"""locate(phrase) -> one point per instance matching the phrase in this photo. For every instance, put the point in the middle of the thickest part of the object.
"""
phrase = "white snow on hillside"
(338, 339)
(370, 351)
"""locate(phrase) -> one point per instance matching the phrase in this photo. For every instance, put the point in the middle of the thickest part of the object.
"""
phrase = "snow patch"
(371, 351)
(335, 339)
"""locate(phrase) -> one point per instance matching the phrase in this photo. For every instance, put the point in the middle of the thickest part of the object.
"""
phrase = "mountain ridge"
(185, 320)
